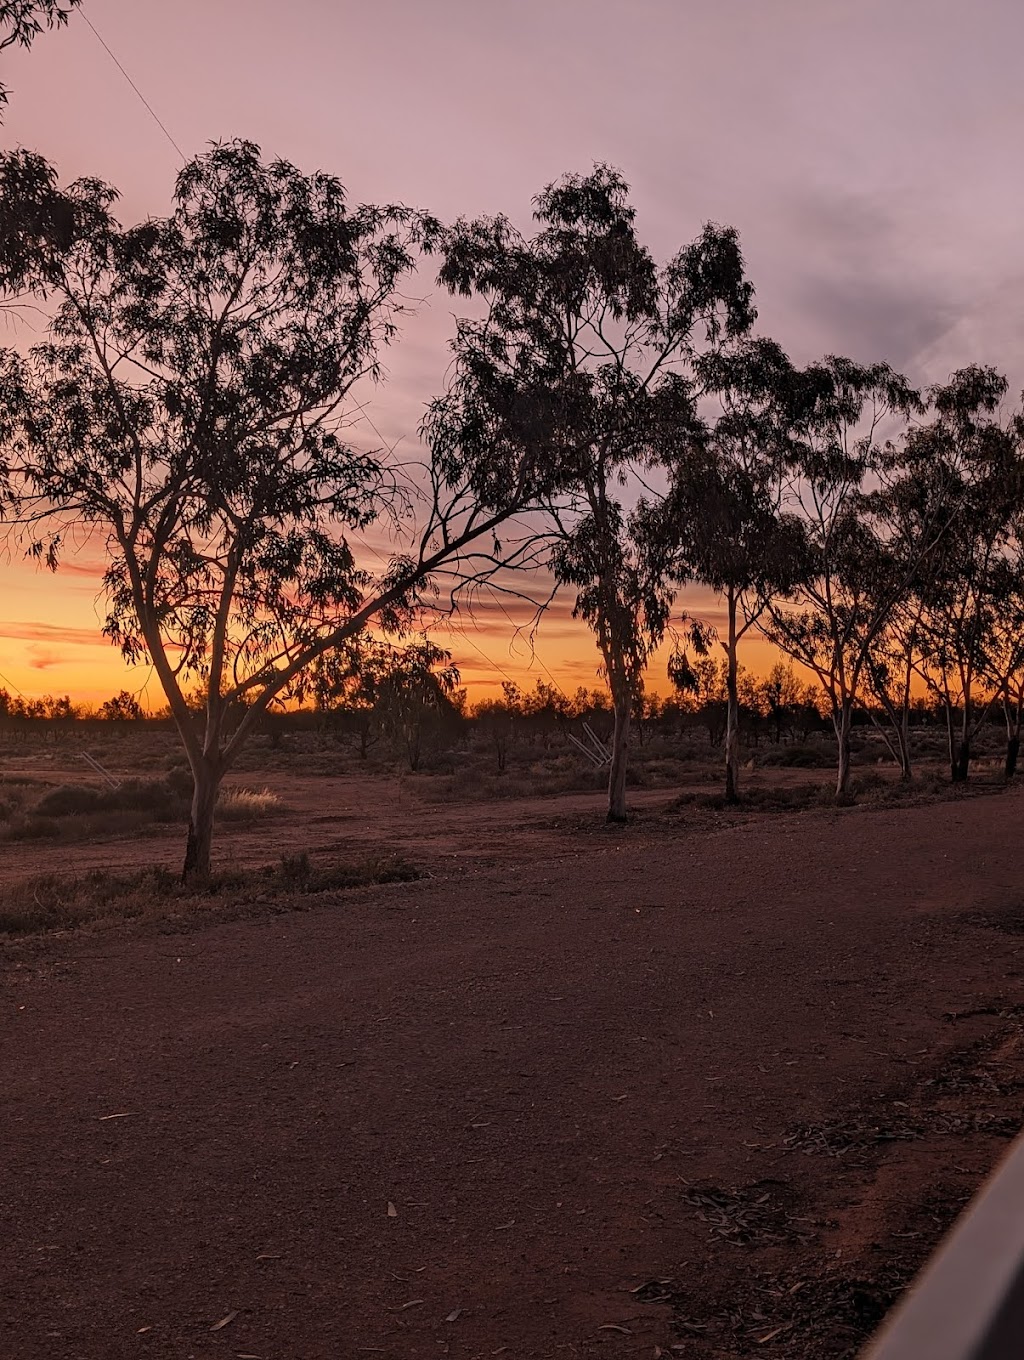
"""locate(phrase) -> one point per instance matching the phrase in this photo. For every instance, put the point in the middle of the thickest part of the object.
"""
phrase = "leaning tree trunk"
(899, 720)
(205, 788)
(842, 722)
(622, 706)
(732, 715)
(903, 738)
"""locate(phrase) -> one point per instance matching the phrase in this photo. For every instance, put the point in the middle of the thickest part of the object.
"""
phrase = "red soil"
(485, 1113)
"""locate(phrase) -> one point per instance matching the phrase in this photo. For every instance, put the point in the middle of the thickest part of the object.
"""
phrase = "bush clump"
(163, 800)
(57, 902)
(76, 812)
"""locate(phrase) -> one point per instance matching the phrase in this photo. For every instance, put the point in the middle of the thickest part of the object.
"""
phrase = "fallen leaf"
(413, 1303)
(230, 1317)
(392, 1211)
(454, 1315)
(143, 1329)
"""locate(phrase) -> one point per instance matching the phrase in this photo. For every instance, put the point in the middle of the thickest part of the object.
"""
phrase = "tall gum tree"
(964, 589)
(585, 361)
(187, 412)
(882, 515)
(851, 577)
(721, 517)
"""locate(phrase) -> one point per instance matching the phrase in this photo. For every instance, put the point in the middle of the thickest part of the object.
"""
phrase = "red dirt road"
(529, 1062)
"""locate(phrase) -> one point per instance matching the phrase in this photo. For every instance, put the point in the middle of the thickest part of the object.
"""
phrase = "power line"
(461, 633)
(533, 646)
(13, 686)
(149, 106)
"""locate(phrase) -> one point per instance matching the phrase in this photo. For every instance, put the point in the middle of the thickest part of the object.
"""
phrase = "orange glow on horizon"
(51, 642)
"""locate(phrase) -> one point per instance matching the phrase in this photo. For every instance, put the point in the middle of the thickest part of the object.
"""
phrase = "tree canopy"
(585, 368)
(189, 408)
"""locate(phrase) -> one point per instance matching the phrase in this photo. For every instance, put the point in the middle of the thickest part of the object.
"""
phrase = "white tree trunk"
(842, 723)
(622, 705)
(206, 786)
(732, 717)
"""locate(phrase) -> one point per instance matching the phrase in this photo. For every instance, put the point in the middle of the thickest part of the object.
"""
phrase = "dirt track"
(533, 1062)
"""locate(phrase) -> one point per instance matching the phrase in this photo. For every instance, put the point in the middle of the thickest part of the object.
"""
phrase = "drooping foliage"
(584, 370)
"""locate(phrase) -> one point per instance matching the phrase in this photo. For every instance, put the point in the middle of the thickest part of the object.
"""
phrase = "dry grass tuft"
(59, 902)
(246, 805)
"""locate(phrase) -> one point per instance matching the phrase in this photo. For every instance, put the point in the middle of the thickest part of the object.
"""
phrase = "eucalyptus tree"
(1004, 650)
(964, 583)
(414, 694)
(36, 218)
(1004, 654)
(722, 513)
(187, 411)
(1006, 665)
(854, 571)
(585, 362)
(891, 667)
(959, 619)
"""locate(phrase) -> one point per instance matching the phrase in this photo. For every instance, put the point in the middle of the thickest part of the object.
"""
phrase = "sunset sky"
(867, 151)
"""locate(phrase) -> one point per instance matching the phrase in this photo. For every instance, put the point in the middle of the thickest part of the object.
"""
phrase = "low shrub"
(70, 800)
(162, 800)
(298, 872)
(75, 812)
(784, 798)
(56, 902)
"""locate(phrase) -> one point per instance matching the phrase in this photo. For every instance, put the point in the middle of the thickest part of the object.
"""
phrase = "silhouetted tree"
(188, 409)
(1004, 654)
(585, 363)
(964, 583)
(890, 669)
(414, 694)
(123, 707)
(722, 511)
(499, 719)
(854, 573)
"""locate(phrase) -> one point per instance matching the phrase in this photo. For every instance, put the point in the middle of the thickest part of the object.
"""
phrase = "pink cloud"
(51, 632)
(41, 658)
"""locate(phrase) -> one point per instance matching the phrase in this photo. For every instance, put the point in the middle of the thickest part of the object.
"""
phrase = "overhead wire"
(13, 686)
(163, 128)
(152, 112)
(458, 632)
